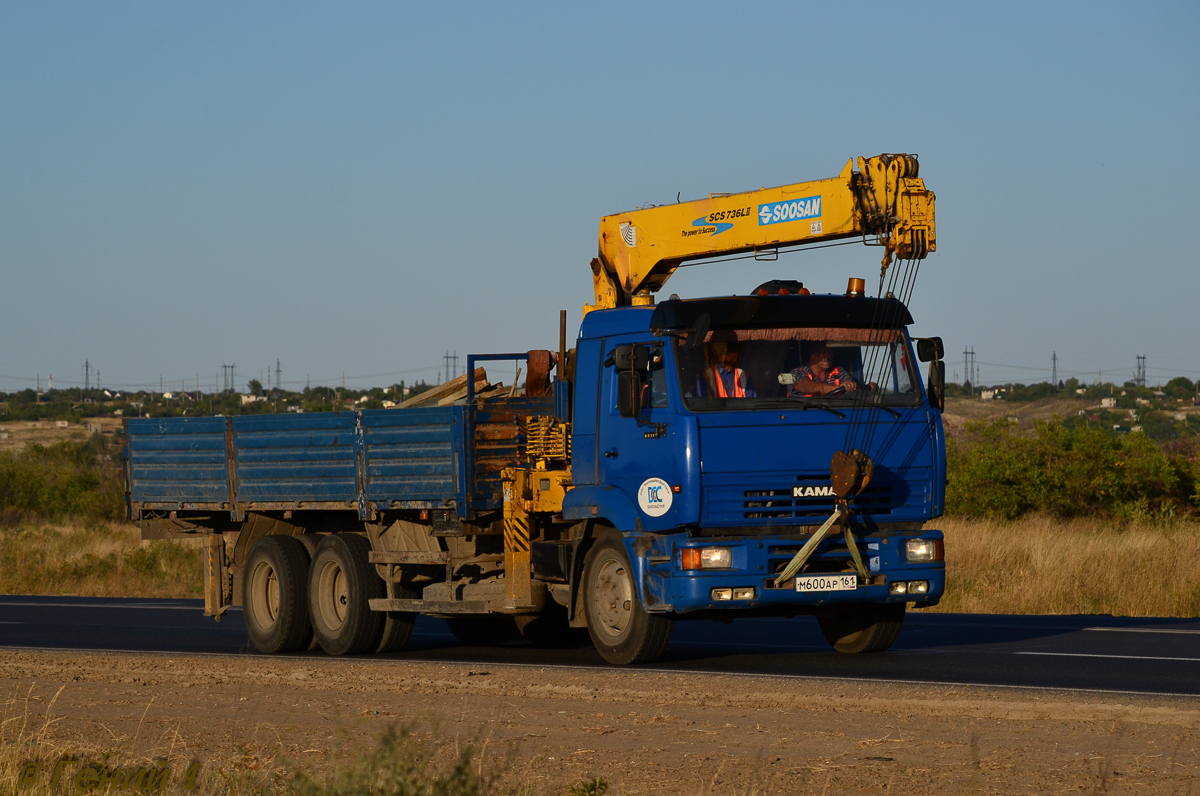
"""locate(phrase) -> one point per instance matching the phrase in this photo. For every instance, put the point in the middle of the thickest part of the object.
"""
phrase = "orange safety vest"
(738, 390)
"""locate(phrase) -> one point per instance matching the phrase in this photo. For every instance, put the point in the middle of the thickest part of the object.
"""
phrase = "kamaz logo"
(813, 491)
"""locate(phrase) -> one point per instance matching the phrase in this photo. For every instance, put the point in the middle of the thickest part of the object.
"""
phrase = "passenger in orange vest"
(722, 377)
(820, 376)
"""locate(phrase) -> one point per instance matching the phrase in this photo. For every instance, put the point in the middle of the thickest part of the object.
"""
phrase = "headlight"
(706, 558)
(716, 558)
(923, 550)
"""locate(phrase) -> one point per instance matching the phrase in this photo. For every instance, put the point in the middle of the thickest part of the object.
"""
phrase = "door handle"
(612, 454)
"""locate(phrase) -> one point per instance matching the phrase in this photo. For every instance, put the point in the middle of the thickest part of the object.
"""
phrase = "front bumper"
(755, 562)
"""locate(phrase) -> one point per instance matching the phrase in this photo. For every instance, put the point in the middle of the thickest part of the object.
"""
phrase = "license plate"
(827, 583)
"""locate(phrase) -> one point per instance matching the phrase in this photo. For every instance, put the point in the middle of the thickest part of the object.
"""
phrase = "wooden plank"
(490, 432)
(442, 390)
(495, 391)
(461, 393)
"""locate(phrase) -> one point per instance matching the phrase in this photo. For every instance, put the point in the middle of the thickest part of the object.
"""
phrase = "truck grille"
(800, 500)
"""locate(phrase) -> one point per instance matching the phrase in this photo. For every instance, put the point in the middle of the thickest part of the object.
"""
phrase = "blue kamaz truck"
(769, 454)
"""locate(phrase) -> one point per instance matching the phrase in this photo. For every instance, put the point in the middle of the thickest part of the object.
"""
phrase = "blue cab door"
(639, 456)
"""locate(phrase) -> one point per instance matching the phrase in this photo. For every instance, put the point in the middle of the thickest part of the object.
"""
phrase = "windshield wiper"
(887, 409)
(814, 405)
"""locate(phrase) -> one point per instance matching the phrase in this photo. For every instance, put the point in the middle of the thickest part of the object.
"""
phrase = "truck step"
(430, 606)
(400, 557)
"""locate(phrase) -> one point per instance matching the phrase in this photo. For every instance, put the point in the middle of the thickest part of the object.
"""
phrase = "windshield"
(752, 368)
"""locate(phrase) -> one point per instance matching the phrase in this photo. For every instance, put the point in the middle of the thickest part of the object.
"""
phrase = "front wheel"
(621, 630)
(861, 628)
(340, 586)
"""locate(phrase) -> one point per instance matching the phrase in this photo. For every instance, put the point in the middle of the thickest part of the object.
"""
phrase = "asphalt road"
(1159, 656)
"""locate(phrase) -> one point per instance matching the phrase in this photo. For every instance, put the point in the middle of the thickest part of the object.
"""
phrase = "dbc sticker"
(654, 497)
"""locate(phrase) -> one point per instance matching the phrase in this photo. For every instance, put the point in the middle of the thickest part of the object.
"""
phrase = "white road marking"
(140, 606)
(1094, 655)
(1143, 630)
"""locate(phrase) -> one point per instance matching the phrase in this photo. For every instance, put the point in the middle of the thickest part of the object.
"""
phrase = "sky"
(355, 189)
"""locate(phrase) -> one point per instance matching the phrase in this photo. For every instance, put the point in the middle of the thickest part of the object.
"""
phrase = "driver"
(820, 376)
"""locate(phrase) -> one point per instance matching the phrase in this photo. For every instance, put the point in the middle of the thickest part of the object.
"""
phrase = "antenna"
(87, 375)
(1054, 369)
(278, 377)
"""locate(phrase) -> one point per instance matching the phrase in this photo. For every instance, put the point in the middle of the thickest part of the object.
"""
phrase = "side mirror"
(621, 357)
(697, 335)
(935, 386)
(930, 349)
(629, 393)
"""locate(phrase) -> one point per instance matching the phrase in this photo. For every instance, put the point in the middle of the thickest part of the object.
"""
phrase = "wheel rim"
(612, 597)
(333, 595)
(264, 593)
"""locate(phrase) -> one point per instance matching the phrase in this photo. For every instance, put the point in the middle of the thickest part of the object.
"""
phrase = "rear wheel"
(621, 630)
(341, 584)
(275, 600)
(397, 626)
(861, 628)
(310, 542)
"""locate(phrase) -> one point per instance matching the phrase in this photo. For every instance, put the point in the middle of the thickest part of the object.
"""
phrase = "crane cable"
(861, 429)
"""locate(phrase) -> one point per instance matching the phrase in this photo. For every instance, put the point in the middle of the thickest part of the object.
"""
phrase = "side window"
(658, 378)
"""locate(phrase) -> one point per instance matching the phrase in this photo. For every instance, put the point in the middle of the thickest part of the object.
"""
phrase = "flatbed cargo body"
(366, 461)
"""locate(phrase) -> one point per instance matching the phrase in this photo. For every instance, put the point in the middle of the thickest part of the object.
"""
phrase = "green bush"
(997, 470)
(67, 479)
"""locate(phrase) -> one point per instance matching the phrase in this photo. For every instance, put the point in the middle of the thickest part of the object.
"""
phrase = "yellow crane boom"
(884, 198)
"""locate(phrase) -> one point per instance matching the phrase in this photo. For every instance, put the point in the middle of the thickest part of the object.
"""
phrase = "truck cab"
(714, 487)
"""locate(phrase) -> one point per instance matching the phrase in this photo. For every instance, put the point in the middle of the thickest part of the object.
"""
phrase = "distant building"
(1108, 403)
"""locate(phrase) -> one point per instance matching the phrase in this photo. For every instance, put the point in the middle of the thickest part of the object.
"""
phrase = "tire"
(620, 628)
(275, 602)
(397, 626)
(550, 629)
(483, 631)
(861, 628)
(310, 542)
(340, 584)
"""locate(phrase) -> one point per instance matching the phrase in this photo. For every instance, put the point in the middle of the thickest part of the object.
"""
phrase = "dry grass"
(1040, 565)
(95, 559)
(34, 761)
